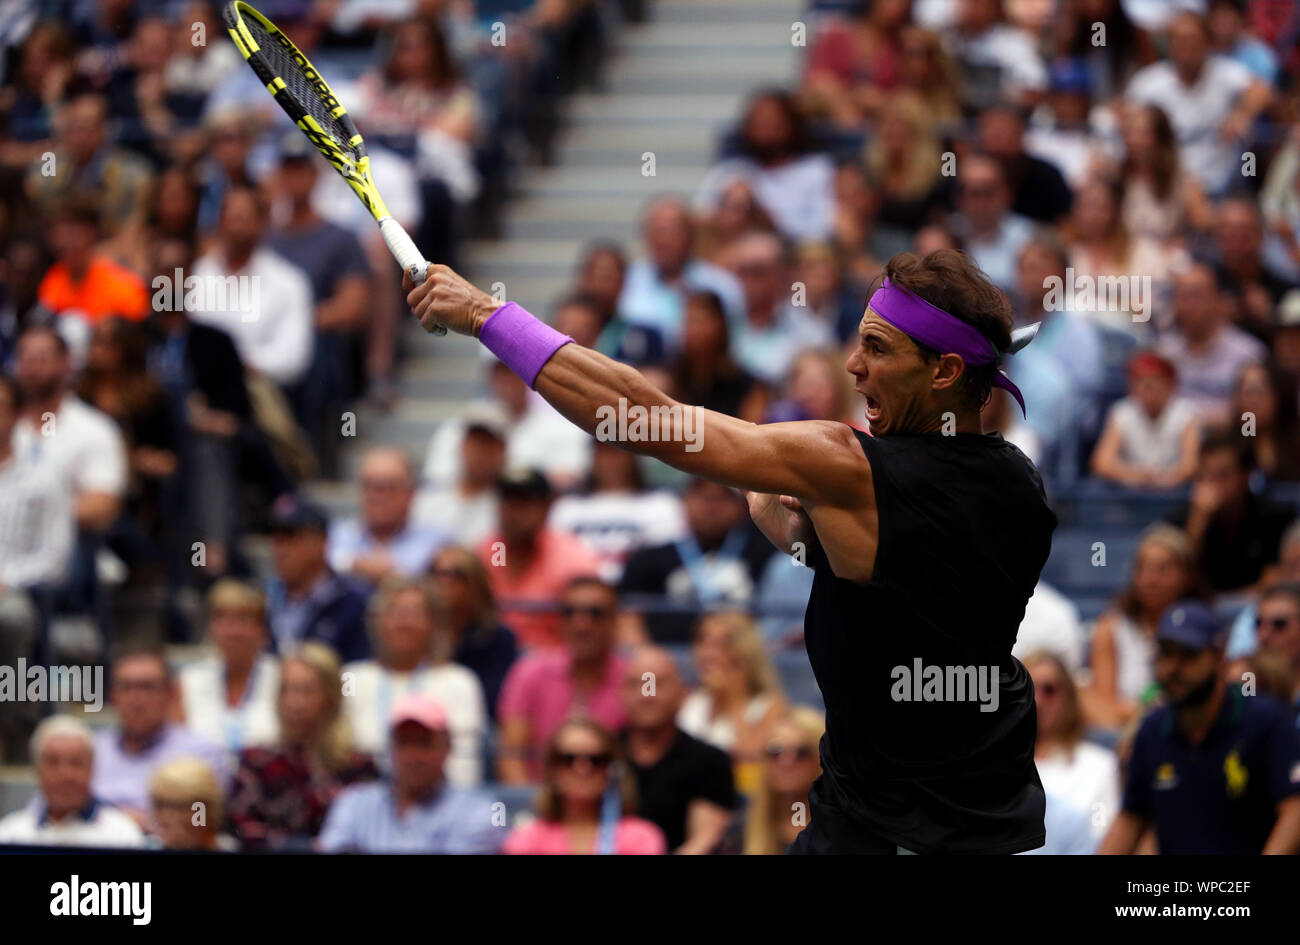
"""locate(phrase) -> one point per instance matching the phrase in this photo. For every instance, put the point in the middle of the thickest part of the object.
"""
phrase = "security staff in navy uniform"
(1214, 770)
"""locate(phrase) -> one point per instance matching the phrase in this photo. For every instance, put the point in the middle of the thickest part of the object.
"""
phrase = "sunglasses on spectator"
(1272, 623)
(594, 613)
(1048, 688)
(800, 752)
(568, 759)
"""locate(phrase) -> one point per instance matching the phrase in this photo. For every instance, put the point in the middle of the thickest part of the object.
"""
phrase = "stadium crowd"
(528, 641)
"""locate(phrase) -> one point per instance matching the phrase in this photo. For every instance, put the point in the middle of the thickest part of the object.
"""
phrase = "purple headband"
(923, 322)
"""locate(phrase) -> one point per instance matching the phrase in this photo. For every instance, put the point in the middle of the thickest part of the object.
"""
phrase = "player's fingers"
(790, 502)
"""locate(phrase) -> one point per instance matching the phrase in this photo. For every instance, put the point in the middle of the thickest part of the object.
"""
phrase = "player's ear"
(948, 370)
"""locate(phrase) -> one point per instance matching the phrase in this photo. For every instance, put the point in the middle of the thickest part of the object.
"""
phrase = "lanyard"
(688, 549)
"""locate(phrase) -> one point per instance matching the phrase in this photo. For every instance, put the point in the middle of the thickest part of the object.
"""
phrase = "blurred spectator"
(1231, 37)
(1161, 197)
(116, 381)
(536, 436)
(1038, 191)
(1151, 437)
(831, 294)
(41, 69)
(1266, 407)
(307, 599)
(479, 641)
(739, 697)
(530, 562)
(37, 529)
(774, 329)
(89, 164)
(600, 279)
(1286, 334)
(984, 223)
(418, 810)
(927, 69)
(817, 388)
(1083, 774)
(684, 786)
(1110, 64)
(1051, 625)
(719, 562)
(1122, 650)
(1208, 352)
(83, 283)
(1061, 135)
(904, 159)
(1213, 770)
(1278, 627)
(186, 802)
(544, 688)
(467, 510)
(269, 312)
(779, 808)
(997, 61)
(229, 697)
(413, 652)
(1240, 268)
(332, 259)
(587, 800)
(1210, 100)
(77, 444)
(615, 513)
(793, 185)
(141, 691)
(65, 812)
(704, 372)
(1105, 254)
(655, 288)
(854, 64)
(384, 540)
(737, 212)
(1236, 533)
(281, 793)
(1243, 640)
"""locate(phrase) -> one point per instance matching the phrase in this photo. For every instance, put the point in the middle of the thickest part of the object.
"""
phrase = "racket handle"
(403, 249)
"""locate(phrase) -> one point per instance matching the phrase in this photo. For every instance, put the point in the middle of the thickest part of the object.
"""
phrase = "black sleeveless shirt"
(915, 759)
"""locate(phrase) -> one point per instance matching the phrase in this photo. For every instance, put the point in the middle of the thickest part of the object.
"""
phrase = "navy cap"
(1191, 624)
(522, 483)
(291, 513)
(1069, 75)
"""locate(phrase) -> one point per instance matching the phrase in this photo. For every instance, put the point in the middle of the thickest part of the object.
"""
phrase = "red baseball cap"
(421, 709)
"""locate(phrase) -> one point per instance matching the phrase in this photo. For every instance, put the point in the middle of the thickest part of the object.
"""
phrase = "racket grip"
(403, 249)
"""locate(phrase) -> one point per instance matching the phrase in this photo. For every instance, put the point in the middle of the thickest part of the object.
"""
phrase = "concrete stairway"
(672, 87)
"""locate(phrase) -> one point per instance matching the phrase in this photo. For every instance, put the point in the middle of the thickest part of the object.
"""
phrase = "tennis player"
(927, 537)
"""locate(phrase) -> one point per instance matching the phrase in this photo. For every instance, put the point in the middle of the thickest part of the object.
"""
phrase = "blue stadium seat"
(518, 798)
(1070, 567)
(797, 678)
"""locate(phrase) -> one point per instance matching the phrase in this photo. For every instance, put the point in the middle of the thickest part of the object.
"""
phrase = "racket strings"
(296, 82)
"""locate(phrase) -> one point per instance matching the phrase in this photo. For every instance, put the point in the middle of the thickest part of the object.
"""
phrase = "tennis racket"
(308, 100)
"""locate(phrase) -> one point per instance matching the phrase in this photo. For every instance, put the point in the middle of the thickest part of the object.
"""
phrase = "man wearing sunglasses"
(1214, 771)
(1278, 627)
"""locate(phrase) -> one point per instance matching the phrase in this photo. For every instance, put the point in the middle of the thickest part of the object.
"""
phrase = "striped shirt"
(37, 525)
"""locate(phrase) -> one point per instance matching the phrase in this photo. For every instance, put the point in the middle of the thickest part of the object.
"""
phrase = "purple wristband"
(522, 343)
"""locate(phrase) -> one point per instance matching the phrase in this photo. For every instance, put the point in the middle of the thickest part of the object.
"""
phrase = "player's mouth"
(873, 409)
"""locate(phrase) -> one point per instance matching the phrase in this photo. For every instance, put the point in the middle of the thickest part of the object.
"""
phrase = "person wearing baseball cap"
(415, 810)
(307, 599)
(1216, 770)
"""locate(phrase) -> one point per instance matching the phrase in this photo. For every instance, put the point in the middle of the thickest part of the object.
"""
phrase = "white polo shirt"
(97, 826)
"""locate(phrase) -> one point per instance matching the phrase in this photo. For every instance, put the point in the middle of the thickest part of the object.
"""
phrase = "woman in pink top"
(575, 811)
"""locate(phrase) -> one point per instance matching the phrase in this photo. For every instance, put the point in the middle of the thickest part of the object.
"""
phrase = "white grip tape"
(411, 259)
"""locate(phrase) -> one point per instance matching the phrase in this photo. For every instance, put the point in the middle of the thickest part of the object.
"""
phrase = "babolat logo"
(308, 72)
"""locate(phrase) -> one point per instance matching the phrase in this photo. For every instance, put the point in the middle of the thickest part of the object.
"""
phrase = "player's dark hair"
(949, 279)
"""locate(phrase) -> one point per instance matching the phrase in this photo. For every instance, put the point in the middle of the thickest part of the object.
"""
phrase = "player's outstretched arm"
(818, 462)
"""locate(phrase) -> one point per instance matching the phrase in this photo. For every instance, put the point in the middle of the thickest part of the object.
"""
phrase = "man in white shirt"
(65, 813)
(467, 510)
(260, 299)
(76, 445)
(998, 60)
(1211, 101)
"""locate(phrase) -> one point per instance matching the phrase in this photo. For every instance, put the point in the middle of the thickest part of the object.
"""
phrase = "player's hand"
(444, 298)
